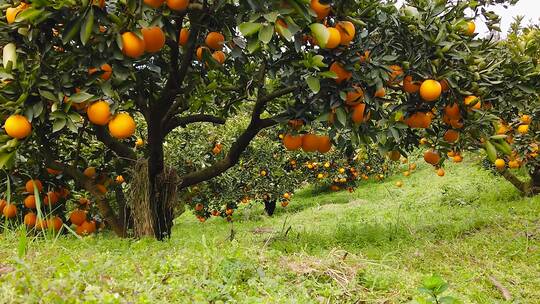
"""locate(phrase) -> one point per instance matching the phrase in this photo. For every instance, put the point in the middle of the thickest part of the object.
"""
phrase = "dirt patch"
(262, 230)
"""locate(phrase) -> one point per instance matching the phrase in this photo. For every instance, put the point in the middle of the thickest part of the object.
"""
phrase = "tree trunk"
(535, 181)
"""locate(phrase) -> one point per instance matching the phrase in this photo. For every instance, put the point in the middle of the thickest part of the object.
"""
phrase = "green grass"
(371, 246)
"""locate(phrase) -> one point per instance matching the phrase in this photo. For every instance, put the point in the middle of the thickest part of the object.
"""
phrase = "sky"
(528, 8)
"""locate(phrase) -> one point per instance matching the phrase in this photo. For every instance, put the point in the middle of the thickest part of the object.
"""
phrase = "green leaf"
(328, 74)
(266, 33)
(86, 28)
(80, 97)
(7, 159)
(28, 14)
(71, 30)
(318, 61)
(249, 28)
(59, 124)
(253, 46)
(47, 95)
(271, 17)
(341, 116)
(314, 84)
(320, 33)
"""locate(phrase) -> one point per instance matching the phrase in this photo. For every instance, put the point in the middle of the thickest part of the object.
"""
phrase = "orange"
(200, 52)
(214, 40)
(470, 99)
(86, 228)
(358, 113)
(451, 136)
(430, 90)
(199, 207)
(347, 31)
(177, 5)
(440, 172)
(500, 164)
(525, 119)
(55, 223)
(219, 56)
(29, 186)
(132, 45)
(513, 164)
(322, 10)
(341, 73)
(394, 155)
(101, 188)
(154, 39)
(10, 211)
(99, 113)
(418, 120)
(523, 129)
(3, 203)
(107, 71)
(51, 198)
(30, 219)
(396, 72)
(432, 157)
(325, 144)
(444, 85)
(153, 3)
(183, 38)
(11, 12)
(364, 58)
(310, 142)
(457, 158)
(99, 3)
(407, 173)
(399, 184)
(18, 126)
(334, 38)
(122, 126)
(409, 85)
(471, 27)
(41, 224)
(52, 171)
(452, 111)
(139, 142)
(292, 142)
(284, 204)
(119, 179)
(354, 97)
(381, 92)
(90, 172)
(30, 202)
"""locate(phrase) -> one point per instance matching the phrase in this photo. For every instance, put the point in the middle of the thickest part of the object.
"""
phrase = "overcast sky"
(528, 8)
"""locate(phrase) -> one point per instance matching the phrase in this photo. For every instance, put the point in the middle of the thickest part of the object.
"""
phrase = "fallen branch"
(505, 293)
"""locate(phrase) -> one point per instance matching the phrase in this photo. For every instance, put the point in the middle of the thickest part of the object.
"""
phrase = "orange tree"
(78, 72)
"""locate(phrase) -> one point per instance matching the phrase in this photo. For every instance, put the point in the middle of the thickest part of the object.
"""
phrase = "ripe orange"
(525, 119)
(177, 5)
(394, 155)
(18, 126)
(444, 85)
(86, 228)
(139, 142)
(471, 27)
(364, 58)
(292, 142)
(11, 12)
(10, 211)
(200, 52)
(452, 111)
(471, 99)
(440, 172)
(183, 37)
(341, 73)
(310, 142)
(284, 204)
(51, 198)
(132, 45)
(52, 171)
(99, 113)
(55, 223)
(107, 71)
(90, 172)
(30, 202)
(84, 201)
(122, 126)
(199, 207)
(322, 10)
(412, 166)
(399, 184)
(154, 39)
(154, 3)
(101, 188)
(381, 92)
(523, 129)
(29, 186)
(409, 85)
(3, 204)
(451, 136)
(214, 40)
(334, 38)
(396, 72)
(63, 192)
(500, 164)
(358, 113)
(432, 157)
(347, 31)
(30, 219)
(418, 120)
(354, 97)
(430, 90)
(513, 164)
(407, 173)
(119, 179)
(41, 224)
(457, 158)
(325, 144)
(219, 56)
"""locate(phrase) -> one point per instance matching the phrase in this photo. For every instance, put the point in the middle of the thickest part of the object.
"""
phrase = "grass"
(371, 246)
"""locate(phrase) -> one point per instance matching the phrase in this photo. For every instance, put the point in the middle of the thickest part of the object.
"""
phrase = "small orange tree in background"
(77, 76)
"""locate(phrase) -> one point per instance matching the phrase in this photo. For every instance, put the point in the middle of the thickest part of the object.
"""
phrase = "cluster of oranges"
(308, 142)
(214, 41)
(121, 125)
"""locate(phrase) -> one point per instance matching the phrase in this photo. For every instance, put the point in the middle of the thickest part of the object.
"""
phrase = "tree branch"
(185, 120)
(523, 187)
(118, 147)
